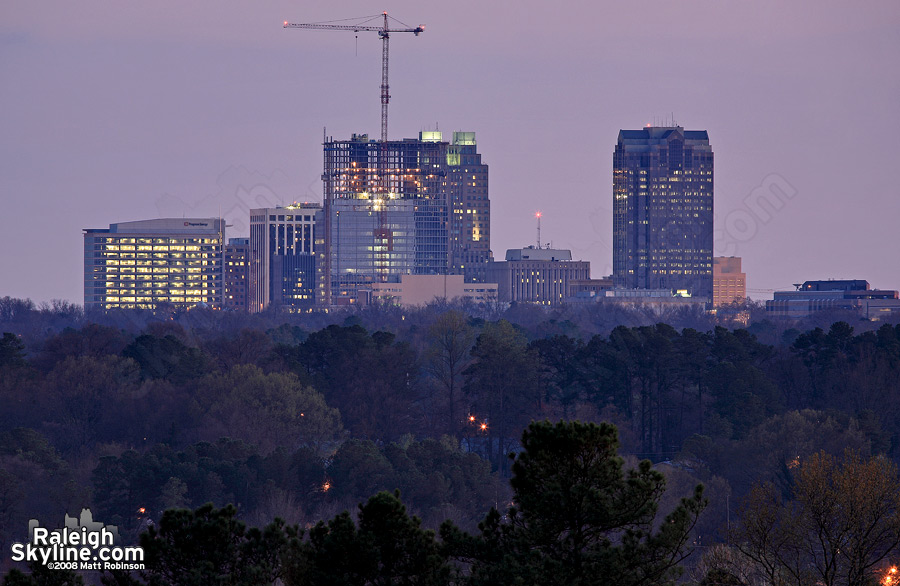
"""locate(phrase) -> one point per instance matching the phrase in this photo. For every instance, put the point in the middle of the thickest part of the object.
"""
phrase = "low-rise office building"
(659, 297)
(417, 290)
(583, 290)
(729, 282)
(536, 275)
(147, 263)
(835, 295)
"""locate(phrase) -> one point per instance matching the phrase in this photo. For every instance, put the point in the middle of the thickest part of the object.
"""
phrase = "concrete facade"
(418, 290)
(282, 232)
(536, 275)
(729, 282)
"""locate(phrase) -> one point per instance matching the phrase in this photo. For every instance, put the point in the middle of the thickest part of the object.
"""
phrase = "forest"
(318, 431)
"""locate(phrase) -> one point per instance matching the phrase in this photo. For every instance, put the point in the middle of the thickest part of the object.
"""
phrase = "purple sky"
(113, 111)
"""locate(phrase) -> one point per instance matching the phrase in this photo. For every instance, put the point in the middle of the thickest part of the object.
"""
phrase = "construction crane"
(381, 235)
(384, 32)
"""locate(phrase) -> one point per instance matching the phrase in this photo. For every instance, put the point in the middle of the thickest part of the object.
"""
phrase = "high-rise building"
(729, 283)
(663, 210)
(470, 208)
(237, 273)
(148, 263)
(282, 259)
(411, 206)
(537, 275)
(357, 261)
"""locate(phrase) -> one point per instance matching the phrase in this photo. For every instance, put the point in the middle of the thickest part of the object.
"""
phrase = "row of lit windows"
(158, 274)
(147, 283)
(144, 281)
(114, 293)
(163, 270)
(165, 299)
(290, 218)
(157, 268)
(158, 279)
(674, 171)
(130, 305)
(115, 240)
(157, 289)
(160, 258)
(158, 248)
(175, 252)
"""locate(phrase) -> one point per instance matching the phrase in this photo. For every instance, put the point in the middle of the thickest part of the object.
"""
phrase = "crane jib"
(385, 33)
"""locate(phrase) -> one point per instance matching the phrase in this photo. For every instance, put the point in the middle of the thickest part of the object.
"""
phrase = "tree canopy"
(577, 517)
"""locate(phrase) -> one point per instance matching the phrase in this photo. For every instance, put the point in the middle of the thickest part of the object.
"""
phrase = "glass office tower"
(663, 210)
(441, 185)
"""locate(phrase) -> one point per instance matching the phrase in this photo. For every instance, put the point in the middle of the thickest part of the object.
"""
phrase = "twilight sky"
(114, 111)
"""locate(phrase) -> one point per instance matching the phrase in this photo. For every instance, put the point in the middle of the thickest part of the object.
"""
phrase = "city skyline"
(114, 114)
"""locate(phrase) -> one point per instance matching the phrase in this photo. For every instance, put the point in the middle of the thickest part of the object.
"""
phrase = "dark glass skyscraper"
(663, 210)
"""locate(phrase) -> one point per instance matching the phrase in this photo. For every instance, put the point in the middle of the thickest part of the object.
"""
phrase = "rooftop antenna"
(538, 216)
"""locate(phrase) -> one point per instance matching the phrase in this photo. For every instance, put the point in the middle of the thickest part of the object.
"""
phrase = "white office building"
(147, 263)
(282, 260)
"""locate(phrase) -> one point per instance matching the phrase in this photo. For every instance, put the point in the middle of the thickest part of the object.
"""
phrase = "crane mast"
(385, 88)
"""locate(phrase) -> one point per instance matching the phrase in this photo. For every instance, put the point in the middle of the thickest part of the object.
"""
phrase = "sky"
(115, 111)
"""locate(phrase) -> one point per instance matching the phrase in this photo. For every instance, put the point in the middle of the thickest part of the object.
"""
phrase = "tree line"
(577, 516)
(301, 422)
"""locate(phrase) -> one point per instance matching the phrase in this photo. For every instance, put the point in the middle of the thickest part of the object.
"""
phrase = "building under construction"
(407, 207)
